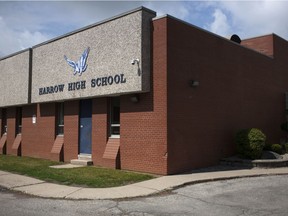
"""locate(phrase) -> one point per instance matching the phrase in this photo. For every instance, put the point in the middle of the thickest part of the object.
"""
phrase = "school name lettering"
(74, 86)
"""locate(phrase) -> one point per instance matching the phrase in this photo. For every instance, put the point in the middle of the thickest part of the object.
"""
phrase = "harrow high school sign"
(79, 68)
(95, 61)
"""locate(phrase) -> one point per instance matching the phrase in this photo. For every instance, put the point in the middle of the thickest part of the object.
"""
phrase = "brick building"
(143, 93)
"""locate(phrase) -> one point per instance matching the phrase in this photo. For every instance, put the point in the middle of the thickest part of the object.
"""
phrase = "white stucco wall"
(14, 81)
(113, 44)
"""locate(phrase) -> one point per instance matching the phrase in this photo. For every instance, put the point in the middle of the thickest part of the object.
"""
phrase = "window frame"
(60, 119)
(114, 102)
(4, 128)
(18, 129)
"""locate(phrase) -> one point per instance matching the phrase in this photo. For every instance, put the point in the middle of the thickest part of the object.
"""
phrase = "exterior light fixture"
(34, 119)
(134, 98)
(194, 83)
(136, 61)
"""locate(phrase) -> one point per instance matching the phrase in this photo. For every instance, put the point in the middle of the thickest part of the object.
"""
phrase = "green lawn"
(84, 176)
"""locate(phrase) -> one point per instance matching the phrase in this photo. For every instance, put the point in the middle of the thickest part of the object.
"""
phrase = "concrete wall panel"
(14, 82)
(113, 44)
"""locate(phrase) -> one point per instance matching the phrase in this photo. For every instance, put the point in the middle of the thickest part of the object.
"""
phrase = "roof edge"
(81, 29)
(14, 54)
(96, 24)
(211, 33)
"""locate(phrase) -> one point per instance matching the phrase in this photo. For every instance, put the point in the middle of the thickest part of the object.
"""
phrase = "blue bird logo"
(80, 66)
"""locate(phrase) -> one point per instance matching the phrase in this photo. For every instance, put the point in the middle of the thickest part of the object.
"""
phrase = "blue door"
(85, 129)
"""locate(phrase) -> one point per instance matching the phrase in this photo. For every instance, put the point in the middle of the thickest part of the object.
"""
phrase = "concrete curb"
(39, 188)
(267, 163)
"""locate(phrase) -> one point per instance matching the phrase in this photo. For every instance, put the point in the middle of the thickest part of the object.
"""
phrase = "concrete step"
(84, 156)
(83, 162)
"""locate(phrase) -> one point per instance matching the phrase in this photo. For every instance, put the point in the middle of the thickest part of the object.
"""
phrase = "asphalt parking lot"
(266, 195)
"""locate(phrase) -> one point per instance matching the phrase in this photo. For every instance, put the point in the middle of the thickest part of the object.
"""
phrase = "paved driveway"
(247, 196)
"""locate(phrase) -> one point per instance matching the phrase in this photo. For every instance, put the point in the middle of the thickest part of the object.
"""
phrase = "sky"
(24, 24)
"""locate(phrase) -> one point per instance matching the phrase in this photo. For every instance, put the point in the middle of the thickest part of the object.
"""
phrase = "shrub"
(250, 142)
(276, 148)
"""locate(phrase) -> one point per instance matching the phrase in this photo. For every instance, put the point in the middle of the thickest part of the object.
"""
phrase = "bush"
(276, 148)
(250, 142)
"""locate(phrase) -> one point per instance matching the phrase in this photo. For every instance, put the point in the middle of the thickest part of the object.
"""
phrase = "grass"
(83, 176)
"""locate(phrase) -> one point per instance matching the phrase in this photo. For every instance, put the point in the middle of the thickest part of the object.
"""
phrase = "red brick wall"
(239, 88)
(38, 139)
(262, 44)
(174, 127)
(71, 130)
(11, 124)
(280, 53)
(100, 114)
(143, 144)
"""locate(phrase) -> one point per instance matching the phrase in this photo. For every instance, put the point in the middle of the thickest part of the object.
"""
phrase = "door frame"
(79, 128)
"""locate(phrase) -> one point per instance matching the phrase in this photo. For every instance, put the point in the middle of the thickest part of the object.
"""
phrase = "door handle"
(81, 126)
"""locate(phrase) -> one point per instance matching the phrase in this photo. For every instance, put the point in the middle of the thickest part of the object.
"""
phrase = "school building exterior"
(142, 93)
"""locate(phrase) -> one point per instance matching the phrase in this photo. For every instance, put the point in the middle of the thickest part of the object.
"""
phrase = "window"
(18, 120)
(4, 122)
(60, 118)
(115, 117)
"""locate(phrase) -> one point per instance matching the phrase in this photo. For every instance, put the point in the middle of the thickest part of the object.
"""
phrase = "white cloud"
(254, 18)
(38, 21)
(174, 8)
(220, 24)
(15, 40)
(6, 39)
(28, 39)
(24, 24)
